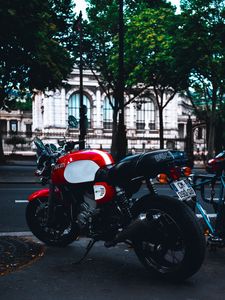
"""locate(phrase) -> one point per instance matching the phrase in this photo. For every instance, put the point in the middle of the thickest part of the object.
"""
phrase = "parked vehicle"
(216, 165)
(215, 179)
(90, 195)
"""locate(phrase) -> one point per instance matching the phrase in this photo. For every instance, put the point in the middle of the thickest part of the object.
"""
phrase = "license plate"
(183, 189)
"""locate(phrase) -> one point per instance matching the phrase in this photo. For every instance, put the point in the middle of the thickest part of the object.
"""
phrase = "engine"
(87, 211)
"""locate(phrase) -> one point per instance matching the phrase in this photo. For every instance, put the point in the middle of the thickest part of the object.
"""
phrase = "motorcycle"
(91, 195)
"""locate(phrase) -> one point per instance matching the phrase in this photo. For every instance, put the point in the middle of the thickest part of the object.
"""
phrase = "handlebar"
(48, 154)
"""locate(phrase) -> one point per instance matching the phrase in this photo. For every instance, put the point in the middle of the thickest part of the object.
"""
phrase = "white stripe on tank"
(105, 156)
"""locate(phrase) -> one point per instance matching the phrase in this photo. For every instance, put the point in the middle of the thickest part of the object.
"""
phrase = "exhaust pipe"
(139, 226)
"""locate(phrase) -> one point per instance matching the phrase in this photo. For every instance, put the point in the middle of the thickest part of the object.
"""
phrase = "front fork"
(51, 204)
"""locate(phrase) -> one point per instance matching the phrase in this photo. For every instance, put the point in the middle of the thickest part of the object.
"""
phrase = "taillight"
(175, 173)
(186, 171)
(211, 161)
(162, 178)
(215, 164)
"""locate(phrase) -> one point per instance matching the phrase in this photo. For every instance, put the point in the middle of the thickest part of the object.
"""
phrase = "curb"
(21, 233)
(20, 182)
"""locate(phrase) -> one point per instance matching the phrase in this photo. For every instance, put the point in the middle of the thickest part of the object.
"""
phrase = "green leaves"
(203, 32)
(151, 39)
(35, 45)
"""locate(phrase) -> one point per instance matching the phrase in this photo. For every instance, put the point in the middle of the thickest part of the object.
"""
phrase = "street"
(14, 200)
(12, 213)
(114, 273)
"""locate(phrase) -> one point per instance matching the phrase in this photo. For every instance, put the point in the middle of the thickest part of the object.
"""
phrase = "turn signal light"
(186, 171)
(162, 178)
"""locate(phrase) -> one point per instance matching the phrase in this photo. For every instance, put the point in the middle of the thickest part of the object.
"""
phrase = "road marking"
(17, 189)
(209, 215)
(21, 201)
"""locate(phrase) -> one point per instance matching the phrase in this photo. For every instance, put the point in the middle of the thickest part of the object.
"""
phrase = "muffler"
(136, 229)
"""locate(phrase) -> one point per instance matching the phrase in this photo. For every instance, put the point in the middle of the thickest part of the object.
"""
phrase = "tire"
(59, 235)
(173, 248)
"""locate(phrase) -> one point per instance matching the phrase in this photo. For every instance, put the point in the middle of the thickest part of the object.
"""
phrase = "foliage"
(18, 104)
(103, 48)
(202, 37)
(15, 140)
(151, 54)
(153, 58)
(34, 48)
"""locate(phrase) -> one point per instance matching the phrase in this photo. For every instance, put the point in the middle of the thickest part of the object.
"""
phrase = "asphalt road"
(113, 273)
(12, 206)
(13, 201)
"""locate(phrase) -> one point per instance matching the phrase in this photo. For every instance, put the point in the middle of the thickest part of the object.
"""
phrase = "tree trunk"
(219, 140)
(2, 156)
(211, 140)
(114, 134)
(121, 139)
(212, 122)
(161, 129)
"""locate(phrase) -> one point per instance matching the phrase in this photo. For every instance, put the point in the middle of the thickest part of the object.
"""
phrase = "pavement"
(30, 270)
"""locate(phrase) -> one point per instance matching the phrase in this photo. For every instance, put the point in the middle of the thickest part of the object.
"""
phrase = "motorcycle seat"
(148, 164)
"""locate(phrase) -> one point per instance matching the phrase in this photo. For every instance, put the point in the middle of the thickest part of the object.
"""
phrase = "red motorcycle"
(90, 195)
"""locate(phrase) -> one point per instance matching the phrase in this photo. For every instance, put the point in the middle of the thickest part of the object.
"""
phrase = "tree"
(153, 57)
(36, 39)
(202, 37)
(102, 54)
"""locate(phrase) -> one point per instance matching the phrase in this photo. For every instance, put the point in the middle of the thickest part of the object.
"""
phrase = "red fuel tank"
(80, 166)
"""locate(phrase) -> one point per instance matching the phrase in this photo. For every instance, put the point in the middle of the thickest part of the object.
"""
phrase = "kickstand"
(88, 249)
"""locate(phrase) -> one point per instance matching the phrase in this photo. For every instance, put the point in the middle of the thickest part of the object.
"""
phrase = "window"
(107, 114)
(14, 126)
(3, 126)
(181, 130)
(145, 114)
(199, 135)
(28, 130)
(74, 108)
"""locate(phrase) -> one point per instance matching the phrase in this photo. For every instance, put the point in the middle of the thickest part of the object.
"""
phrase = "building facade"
(53, 110)
(16, 123)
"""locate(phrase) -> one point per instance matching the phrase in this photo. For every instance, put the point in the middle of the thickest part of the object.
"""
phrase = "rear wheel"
(174, 247)
(62, 233)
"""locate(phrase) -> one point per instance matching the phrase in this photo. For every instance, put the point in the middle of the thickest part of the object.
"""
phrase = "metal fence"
(21, 142)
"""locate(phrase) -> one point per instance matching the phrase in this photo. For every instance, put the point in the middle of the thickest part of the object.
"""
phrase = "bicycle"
(216, 166)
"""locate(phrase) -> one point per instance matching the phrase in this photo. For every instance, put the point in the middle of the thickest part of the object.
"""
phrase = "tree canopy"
(202, 37)
(147, 27)
(35, 44)
(152, 56)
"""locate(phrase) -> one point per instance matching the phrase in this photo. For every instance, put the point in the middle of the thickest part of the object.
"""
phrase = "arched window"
(145, 114)
(74, 108)
(107, 114)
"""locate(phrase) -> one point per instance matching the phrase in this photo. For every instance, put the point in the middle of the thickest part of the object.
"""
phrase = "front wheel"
(62, 233)
(174, 247)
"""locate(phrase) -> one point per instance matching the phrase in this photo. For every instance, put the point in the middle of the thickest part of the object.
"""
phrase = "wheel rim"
(53, 233)
(164, 250)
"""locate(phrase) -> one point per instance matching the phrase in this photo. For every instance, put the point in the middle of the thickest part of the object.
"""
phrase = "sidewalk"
(110, 274)
(17, 251)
